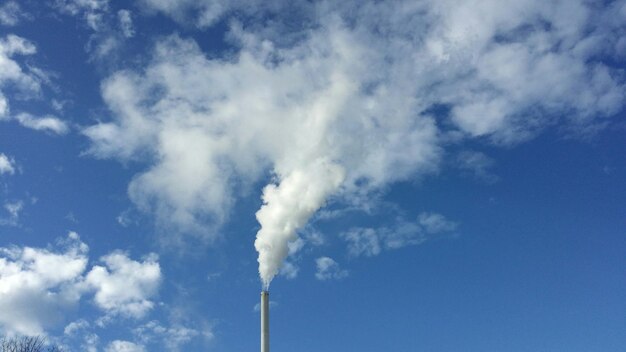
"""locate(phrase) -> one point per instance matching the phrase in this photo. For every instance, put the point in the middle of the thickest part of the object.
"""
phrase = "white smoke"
(287, 207)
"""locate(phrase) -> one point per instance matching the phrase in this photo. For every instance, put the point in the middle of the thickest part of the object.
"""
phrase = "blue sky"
(408, 175)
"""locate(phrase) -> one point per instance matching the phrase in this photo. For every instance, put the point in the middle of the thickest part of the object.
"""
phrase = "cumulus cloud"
(123, 286)
(7, 164)
(124, 346)
(364, 94)
(372, 241)
(328, 269)
(38, 286)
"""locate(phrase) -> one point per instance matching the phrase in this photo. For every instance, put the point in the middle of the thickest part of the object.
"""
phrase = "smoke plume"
(287, 207)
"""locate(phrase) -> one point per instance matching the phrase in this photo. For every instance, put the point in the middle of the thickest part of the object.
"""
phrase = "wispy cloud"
(329, 269)
(477, 164)
(110, 30)
(124, 346)
(372, 241)
(91, 10)
(126, 23)
(14, 74)
(28, 82)
(83, 331)
(289, 270)
(174, 337)
(46, 123)
(11, 14)
(7, 164)
(13, 210)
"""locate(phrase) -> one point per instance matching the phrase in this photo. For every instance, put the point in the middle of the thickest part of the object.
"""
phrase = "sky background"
(428, 175)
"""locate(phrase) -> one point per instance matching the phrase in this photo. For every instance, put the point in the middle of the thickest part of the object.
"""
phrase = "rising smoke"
(287, 207)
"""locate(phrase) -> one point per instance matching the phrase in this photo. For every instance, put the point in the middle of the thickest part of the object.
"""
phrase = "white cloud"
(372, 241)
(125, 218)
(173, 337)
(91, 10)
(124, 346)
(13, 209)
(477, 164)
(109, 29)
(10, 13)
(37, 285)
(315, 238)
(27, 80)
(82, 330)
(358, 96)
(76, 326)
(200, 152)
(203, 13)
(76, 6)
(124, 286)
(488, 62)
(434, 223)
(126, 23)
(289, 270)
(7, 164)
(13, 74)
(328, 269)
(363, 241)
(46, 123)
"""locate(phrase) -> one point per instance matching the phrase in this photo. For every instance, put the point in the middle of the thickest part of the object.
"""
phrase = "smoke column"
(287, 207)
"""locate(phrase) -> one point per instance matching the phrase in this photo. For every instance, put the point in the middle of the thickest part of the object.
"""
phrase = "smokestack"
(265, 321)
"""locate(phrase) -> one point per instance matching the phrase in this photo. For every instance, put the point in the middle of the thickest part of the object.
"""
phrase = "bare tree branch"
(27, 344)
